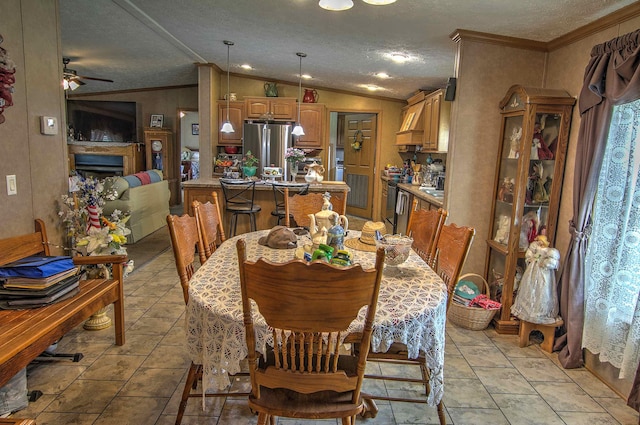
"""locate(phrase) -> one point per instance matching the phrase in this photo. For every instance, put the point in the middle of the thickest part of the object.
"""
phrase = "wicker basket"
(474, 318)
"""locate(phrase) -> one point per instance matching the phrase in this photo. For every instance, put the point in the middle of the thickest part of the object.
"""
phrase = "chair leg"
(443, 420)
(233, 225)
(191, 381)
(253, 222)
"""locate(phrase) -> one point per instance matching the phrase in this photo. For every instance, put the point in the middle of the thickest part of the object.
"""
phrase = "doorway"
(353, 139)
(188, 145)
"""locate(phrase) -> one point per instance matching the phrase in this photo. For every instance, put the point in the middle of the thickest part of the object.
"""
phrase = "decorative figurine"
(537, 298)
(514, 145)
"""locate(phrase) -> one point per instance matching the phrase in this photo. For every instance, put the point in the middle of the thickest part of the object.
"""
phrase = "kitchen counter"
(200, 189)
(415, 191)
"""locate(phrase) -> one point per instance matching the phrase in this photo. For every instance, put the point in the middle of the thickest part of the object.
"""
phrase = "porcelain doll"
(514, 144)
(537, 298)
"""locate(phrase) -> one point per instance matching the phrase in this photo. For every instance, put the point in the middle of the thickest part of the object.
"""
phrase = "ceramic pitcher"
(270, 90)
(310, 96)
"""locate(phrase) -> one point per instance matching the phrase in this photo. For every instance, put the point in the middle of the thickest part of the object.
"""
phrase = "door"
(359, 155)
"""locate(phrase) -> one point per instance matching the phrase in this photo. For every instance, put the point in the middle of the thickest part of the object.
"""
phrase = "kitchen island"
(201, 189)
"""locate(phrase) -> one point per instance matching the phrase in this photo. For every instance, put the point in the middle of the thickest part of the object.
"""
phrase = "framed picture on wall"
(156, 121)
(195, 129)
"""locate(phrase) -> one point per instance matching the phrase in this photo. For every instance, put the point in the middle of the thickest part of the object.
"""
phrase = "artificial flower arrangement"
(89, 233)
(294, 155)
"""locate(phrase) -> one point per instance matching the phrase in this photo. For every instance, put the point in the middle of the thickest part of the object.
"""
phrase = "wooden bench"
(25, 334)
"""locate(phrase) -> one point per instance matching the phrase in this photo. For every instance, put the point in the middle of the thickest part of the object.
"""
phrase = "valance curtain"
(611, 78)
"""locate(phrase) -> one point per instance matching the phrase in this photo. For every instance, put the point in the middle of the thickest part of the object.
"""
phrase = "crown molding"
(502, 40)
(612, 19)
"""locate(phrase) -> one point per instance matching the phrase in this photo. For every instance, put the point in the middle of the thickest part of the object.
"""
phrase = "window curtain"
(611, 78)
(612, 266)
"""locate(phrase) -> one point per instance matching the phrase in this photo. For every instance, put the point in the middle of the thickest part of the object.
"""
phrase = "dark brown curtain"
(611, 78)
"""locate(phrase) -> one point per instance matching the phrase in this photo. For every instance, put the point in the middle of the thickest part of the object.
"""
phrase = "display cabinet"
(528, 183)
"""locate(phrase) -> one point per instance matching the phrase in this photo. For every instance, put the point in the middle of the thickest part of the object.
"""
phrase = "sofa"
(145, 196)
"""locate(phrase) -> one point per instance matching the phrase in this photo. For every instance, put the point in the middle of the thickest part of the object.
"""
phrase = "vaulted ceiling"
(155, 43)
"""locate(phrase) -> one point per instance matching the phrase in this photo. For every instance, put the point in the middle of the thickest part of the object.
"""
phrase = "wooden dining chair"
(308, 306)
(300, 206)
(452, 247)
(210, 227)
(424, 227)
(184, 240)
(279, 193)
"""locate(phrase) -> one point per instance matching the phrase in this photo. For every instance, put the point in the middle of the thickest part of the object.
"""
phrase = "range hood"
(412, 128)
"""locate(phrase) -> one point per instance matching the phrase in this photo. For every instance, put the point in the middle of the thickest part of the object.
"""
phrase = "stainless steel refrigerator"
(269, 143)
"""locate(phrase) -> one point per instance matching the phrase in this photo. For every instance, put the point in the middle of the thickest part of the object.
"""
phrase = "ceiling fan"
(71, 78)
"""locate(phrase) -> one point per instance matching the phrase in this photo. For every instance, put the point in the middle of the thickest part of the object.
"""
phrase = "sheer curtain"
(612, 264)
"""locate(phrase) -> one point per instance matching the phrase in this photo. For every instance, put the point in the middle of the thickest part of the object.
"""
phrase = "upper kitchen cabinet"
(412, 128)
(236, 117)
(437, 114)
(528, 182)
(426, 122)
(276, 108)
(312, 119)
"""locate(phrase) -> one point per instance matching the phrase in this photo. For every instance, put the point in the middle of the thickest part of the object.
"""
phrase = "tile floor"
(488, 379)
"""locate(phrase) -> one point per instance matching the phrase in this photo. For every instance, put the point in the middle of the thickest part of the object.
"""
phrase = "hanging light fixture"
(227, 127)
(297, 130)
(379, 2)
(336, 5)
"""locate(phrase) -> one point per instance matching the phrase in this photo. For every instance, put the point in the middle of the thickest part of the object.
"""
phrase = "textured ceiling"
(155, 43)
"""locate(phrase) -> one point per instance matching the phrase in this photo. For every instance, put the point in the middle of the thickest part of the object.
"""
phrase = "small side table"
(548, 331)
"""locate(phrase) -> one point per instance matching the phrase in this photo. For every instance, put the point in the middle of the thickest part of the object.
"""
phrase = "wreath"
(357, 143)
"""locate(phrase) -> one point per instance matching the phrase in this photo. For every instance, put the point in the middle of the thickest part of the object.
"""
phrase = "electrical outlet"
(12, 187)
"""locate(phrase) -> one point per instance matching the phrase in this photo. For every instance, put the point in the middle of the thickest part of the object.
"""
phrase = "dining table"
(411, 310)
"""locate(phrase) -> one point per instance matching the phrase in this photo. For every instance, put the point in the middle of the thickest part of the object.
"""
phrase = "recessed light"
(371, 87)
(398, 57)
(382, 75)
(307, 76)
(246, 66)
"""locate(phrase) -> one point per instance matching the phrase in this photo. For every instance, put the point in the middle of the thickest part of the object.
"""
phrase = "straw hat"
(367, 239)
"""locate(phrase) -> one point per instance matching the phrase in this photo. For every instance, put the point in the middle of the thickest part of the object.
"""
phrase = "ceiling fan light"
(65, 84)
(297, 130)
(227, 128)
(336, 5)
(73, 84)
(379, 2)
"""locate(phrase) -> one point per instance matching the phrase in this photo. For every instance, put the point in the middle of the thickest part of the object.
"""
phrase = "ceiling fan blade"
(96, 79)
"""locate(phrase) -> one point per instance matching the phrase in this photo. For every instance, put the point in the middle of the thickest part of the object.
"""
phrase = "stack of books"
(37, 281)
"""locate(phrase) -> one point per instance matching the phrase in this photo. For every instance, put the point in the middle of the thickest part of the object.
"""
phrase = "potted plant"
(249, 164)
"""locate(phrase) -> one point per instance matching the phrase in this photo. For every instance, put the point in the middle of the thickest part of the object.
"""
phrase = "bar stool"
(239, 196)
(278, 196)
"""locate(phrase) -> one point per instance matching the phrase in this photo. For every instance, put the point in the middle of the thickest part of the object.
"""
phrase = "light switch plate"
(48, 125)
(12, 188)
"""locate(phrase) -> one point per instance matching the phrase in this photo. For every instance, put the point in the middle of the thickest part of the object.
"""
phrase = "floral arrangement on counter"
(294, 155)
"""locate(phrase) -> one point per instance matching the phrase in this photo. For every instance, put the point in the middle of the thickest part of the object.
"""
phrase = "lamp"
(379, 2)
(227, 127)
(336, 5)
(297, 130)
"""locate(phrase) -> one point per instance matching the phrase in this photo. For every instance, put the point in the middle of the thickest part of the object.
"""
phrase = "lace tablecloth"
(411, 310)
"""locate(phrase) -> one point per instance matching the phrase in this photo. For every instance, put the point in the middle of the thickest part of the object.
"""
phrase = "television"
(102, 121)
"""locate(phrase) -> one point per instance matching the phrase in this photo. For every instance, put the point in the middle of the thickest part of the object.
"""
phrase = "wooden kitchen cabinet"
(426, 122)
(383, 200)
(312, 120)
(276, 108)
(437, 114)
(236, 117)
(527, 187)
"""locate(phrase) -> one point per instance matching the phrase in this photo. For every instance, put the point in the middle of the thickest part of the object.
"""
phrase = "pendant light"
(336, 5)
(297, 130)
(227, 127)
